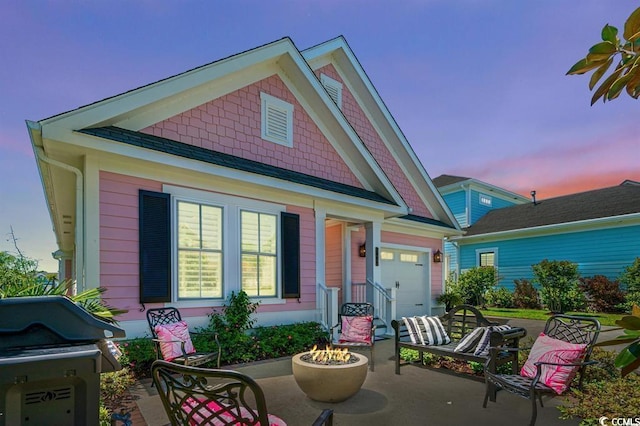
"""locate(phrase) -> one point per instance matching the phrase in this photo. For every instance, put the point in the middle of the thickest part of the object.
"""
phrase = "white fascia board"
(558, 228)
(342, 56)
(502, 193)
(120, 107)
(301, 66)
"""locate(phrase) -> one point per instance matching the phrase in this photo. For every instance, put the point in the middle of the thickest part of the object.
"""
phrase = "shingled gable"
(601, 204)
(337, 53)
(139, 108)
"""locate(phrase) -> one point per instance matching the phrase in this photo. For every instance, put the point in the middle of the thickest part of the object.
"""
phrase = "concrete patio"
(417, 396)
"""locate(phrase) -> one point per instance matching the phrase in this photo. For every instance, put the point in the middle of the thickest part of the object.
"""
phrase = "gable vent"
(333, 88)
(277, 120)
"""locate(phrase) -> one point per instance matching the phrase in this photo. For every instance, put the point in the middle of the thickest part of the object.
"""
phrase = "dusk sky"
(477, 86)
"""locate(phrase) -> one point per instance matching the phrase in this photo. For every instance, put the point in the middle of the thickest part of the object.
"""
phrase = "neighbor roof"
(444, 180)
(620, 200)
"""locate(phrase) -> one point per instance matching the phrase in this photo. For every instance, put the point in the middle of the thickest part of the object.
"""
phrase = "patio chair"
(355, 329)
(198, 396)
(560, 352)
(172, 339)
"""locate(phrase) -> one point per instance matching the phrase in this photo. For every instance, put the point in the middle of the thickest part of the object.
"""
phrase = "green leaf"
(599, 73)
(604, 87)
(583, 66)
(630, 367)
(617, 341)
(629, 322)
(624, 358)
(632, 26)
(604, 47)
(633, 85)
(610, 34)
(614, 92)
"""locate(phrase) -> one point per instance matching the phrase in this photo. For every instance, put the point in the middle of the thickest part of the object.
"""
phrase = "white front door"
(408, 272)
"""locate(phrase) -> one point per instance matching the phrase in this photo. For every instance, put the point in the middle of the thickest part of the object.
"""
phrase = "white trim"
(232, 207)
(276, 120)
(484, 250)
(91, 222)
(554, 229)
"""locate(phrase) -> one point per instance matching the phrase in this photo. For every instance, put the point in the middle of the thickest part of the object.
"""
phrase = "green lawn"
(605, 319)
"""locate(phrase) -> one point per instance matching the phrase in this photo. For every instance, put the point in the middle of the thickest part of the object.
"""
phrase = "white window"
(333, 88)
(259, 253)
(487, 257)
(223, 244)
(485, 200)
(199, 251)
(277, 120)
(408, 257)
(386, 255)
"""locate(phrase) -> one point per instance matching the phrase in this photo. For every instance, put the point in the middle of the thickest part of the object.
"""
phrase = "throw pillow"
(470, 340)
(413, 327)
(548, 349)
(435, 334)
(171, 337)
(356, 329)
(485, 342)
(224, 414)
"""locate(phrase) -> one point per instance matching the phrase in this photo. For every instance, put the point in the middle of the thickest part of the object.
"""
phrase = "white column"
(320, 216)
(372, 244)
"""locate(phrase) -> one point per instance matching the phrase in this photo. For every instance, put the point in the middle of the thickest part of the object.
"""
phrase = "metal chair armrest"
(324, 419)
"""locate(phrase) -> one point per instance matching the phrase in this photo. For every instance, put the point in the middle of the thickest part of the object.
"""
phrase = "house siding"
(374, 143)
(457, 202)
(231, 124)
(597, 252)
(119, 251)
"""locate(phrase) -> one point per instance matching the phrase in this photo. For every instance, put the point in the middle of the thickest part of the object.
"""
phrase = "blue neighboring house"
(469, 200)
(599, 230)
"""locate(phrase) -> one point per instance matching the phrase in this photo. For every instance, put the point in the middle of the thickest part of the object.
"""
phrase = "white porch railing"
(327, 305)
(383, 300)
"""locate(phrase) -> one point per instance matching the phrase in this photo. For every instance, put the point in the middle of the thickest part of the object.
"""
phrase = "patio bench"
(458, 323)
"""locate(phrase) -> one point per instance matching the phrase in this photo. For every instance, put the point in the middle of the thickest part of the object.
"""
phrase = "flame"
(328, 354)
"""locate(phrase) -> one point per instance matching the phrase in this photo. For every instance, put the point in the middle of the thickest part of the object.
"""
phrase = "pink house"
(276, 171)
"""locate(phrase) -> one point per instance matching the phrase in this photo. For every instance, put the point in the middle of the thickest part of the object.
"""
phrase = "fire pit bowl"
(329, 382)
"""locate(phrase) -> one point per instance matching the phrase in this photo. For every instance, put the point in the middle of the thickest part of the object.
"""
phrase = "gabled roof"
(193, 152)
(338, 52)
(613, 202)
(447, 184)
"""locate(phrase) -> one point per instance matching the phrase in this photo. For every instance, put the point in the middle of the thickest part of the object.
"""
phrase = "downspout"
(79, 231)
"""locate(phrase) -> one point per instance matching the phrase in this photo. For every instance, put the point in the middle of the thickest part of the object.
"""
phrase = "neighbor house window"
(258, 253)
(200, 256)
(487, 258)
(333, 88)
(277, 120)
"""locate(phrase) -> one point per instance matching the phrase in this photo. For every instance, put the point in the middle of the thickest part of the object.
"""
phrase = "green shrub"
(603, 295)
(475, 282)
(137, 355)
(559, 282)
(525, 295)
(500, 297)
(411, 355)
(451, 297)
(284, 340)
(630, 281)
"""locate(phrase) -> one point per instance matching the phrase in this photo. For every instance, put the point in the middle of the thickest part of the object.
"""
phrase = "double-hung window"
(258, 234)
(199, 251)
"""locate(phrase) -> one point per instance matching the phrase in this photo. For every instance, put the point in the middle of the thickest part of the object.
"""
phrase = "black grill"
(51, 355)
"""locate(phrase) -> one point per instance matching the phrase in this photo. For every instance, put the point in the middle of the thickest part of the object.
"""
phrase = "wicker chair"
(571, 329)
(355, 310)
(170, 315)
(198, 396)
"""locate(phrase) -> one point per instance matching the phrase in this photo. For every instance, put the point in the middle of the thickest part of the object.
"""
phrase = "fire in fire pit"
(329, 356)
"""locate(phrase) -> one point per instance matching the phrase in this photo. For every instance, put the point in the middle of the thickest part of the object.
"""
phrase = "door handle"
(397, 284)
(419, 304)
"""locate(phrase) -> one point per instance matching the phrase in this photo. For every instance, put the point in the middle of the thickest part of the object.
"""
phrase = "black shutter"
(155, 247)
(290, 230)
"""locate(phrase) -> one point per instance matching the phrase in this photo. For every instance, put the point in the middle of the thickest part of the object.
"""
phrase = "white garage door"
(408, 273)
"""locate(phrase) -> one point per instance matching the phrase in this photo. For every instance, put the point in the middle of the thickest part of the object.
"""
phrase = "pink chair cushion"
(548, 349)
(356, 329)
(171, 336)
(216, 414)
